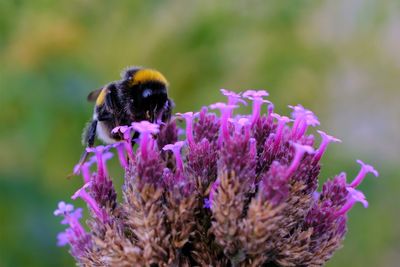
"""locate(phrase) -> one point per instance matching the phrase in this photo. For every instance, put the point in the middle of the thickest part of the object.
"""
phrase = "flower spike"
(244, 183)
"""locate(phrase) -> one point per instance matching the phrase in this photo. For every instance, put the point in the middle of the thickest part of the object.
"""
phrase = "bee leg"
(88, 139)
(90, 134)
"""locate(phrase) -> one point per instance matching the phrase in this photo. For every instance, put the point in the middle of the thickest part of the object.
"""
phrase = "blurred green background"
(339, 58)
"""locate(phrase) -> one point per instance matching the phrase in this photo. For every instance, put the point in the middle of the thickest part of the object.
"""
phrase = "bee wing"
(92, 96)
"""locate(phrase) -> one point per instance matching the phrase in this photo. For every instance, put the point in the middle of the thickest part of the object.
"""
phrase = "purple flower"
(257, 98)
(76, 215)
(120, 147)
(85, 169)
(303, 118)
(226, 111)
(365, 169)
(75, 235)
(127, 135)
(207, 203)
(271, 108)
(282, 120)
(125, 130)
(63, 238)
(298, 111)
(146, 129)
(101, 167)
(233, 98)
(240, 123)
(63, 208)
(255, 94)
(326, 139)
(316, 195)
(357, 196)
(354, 196)
(188, 116)
(300, 151)
(90, 201)
(99, 179)
(176, 149)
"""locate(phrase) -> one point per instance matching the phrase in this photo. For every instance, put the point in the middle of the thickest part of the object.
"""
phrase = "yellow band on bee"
(148, 75)
(102, 97)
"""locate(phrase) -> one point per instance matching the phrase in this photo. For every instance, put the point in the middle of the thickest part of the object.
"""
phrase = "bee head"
(144, 90)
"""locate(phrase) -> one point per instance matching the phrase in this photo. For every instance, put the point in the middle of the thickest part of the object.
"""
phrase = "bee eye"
(146, 93)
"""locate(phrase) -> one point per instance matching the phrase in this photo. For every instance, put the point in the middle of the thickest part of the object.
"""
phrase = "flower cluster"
(237, 190)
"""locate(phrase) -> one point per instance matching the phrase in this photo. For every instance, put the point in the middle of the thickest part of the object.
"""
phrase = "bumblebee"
(141, 94)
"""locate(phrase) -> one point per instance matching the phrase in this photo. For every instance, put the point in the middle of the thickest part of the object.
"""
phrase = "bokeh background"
(339, 58)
